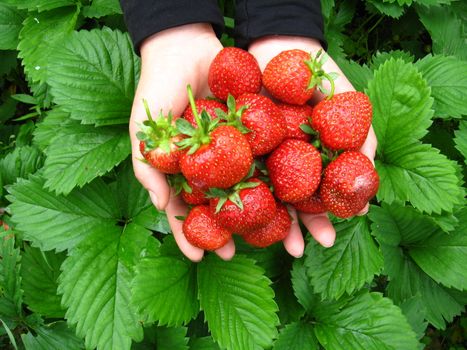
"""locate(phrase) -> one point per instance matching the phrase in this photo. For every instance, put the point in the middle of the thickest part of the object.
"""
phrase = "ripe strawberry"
(158, 143)
(248, 208)
(295, 170)
(195, 197)
(275, 231)
(294, 117)
(209, 106)
(219, 156)
(293, 75)
(234, 71)
(343, 121)
(202, 230)
(349, 182)
(266, 125)
(312, 205)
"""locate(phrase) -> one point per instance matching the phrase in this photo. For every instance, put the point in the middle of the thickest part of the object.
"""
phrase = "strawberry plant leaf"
(40, 5)
(20, 163)
(10, 277)
(11, 21)
(173, 338)
(461, 139)
(448, 81)
(367, 321)
(80, 153)
(164, 288)
(47, 129)
(359, 75)
(401, 105)
(95, 284)
(54, 336)
(290, 310)
(59, 222)
(204, 343)
(381, 57)
(238, 303)
(37, 38)
(446, 30)
(419, 174)
(101, 68)
(40, 271)
(296, 336)
(348, 265)
(101, 8)
(396, 228)
(390, 9)
(302, 286)
(415, 312)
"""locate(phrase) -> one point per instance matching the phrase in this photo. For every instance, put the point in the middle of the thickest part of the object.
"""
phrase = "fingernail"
(327, 242)
(154, 199)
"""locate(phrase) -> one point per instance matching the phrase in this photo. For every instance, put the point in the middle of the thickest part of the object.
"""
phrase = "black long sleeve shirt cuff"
(258, 18)
(146, 17)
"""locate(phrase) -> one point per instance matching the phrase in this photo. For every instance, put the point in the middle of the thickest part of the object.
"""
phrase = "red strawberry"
(158, 143)
(293, 75)
(312, 205)
(234, 71)
(294, 117)
(343, 121)
(275, 231)
(209, 106)
(248, 208)
(295, 170)
(195, 197)
(349, 182)
(264, 121)
(218, 156)
(202, 230)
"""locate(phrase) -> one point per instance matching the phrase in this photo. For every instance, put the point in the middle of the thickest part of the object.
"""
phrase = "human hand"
(170, 60)
(319, 225)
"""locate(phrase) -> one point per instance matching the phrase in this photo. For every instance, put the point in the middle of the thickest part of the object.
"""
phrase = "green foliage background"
(87, 262)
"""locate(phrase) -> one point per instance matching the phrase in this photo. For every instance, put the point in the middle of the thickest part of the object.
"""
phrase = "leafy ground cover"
(86, 261)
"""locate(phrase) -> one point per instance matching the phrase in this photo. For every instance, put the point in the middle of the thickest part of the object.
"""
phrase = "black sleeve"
(146, 17)
(257, 18)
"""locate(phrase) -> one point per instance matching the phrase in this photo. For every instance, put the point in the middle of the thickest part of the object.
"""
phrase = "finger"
(176, 207)
(370, 145)
(320, 228)
(294, 243)
(227, 252)
(364, 211)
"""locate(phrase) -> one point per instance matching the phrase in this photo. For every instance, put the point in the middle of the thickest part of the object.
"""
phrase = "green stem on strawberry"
(191, 99)
(315, 64)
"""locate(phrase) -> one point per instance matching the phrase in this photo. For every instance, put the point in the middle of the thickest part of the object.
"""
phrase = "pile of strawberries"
(239, 159)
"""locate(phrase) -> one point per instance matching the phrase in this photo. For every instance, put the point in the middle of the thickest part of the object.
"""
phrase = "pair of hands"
(176, 57)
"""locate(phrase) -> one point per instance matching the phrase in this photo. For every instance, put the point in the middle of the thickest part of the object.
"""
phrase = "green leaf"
(415, 312)
(238, 303)
(59, 222)
(80, 153)
(54, 336)
(397, 229)
(290, 310)
(401, 105)
(359, 75)
(381, 57)
(327, 7)
(20, 163)
(41, 31)
(101, 8)
(164, 288)
(448, 81)
(204, 343)
(419, 174)
(444, 257)
(368, 321)
(40, 5)
(95, 284)
(10, 277)
(297, 336)
(93, 76)
(10, 24)
(171, 338)
(348, 265)
(447, 30)
(387, 8)
(461, 139)
(302, 286)
(40, 271)
(48, 128)
(10, 334)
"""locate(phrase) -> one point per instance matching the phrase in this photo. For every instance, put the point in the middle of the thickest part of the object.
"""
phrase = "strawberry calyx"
(232, 194)
(178, 182)
(196, 136)
(315, 64)
(233, 117)
(157, 133)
